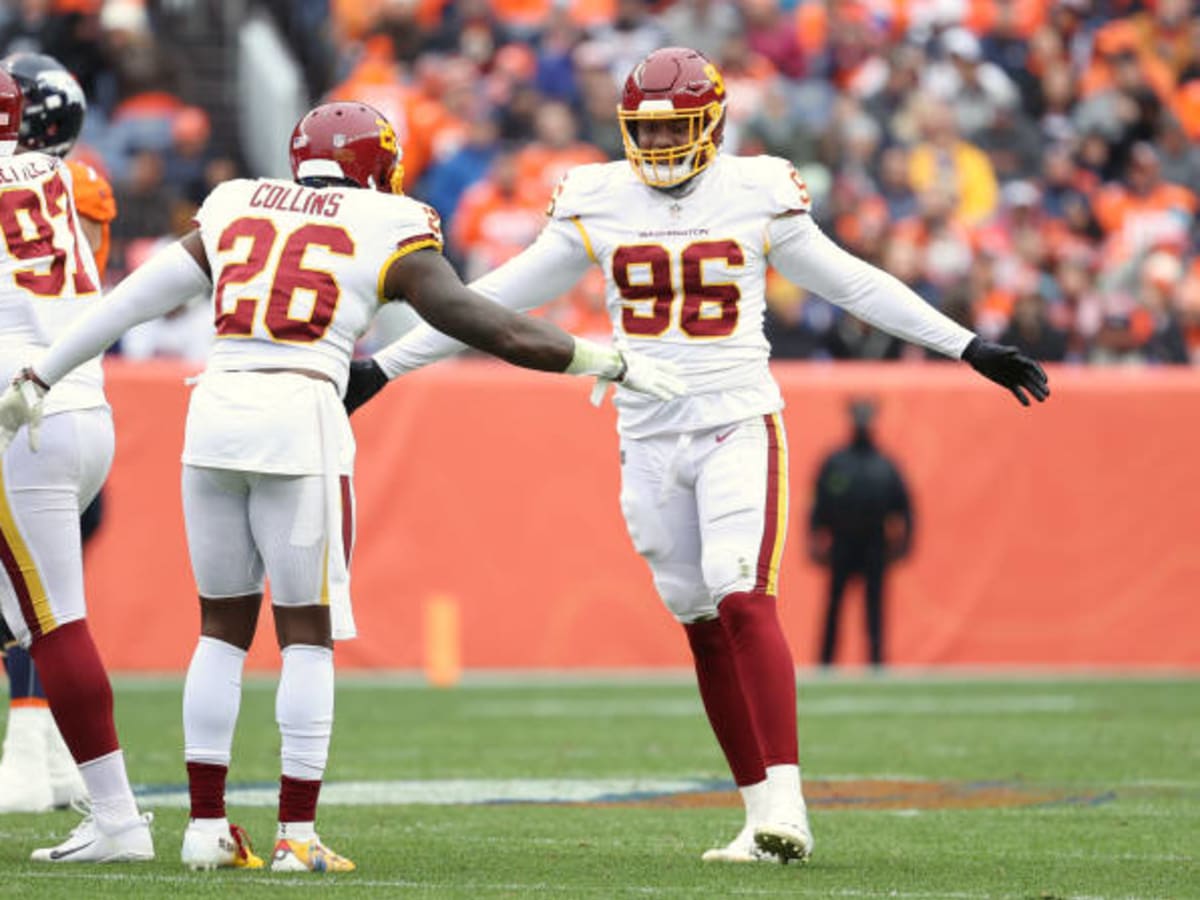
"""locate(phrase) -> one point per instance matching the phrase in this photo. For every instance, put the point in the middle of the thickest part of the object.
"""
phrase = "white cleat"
(741, 849)
(88, 843)
(24, 776)
(217, 846)
(785, 840)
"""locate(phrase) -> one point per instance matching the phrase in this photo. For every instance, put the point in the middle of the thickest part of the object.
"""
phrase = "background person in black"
(861, 521)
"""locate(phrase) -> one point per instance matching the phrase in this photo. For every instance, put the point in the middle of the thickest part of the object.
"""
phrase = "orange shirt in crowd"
(491, 226)
(541, 168)
(355, 18)
(1115, 206)
(94, 199)
(534, 13)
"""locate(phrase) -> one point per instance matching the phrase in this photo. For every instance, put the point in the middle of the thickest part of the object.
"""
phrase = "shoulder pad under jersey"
(413, 225)
(584, 188)
(217, 197)
(776, 181)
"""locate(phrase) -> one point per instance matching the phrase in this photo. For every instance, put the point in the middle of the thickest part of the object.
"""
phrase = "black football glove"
(1009, 367)
(366, 380)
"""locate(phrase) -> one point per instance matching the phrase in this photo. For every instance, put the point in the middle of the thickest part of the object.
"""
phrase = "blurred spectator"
(496, 219)
(188, 156)
(1180, 157)
(1144, 211)
(600, 96)
(704, 25)
(778, 129)
(975, 89)
(894, 185)
(447, 179)
(555, 63)
(860, 523)
(770, 35)
(542, 164)
(1031, 330)
(632, 34)
(942, 157)
(472, 29)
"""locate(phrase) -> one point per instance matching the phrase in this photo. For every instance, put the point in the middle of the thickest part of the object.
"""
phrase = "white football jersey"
(298, 272)
(685, 278)
(48, 276)
(685, 275)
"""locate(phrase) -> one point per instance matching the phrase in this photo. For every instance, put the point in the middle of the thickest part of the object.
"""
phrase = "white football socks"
(755, 797)
(108, 785)
(212, 696)
(785, 795)
(304, 710)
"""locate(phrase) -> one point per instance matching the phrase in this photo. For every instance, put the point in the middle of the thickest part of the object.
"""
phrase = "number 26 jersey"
(298, 272)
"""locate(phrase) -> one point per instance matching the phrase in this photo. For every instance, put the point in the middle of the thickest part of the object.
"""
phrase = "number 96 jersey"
(685, 276)
(298, 272)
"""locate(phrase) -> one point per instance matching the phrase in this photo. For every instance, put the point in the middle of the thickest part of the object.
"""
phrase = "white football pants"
(43, 495)
(707, 510)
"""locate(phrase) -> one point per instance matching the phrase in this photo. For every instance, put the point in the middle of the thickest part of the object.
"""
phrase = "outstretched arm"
(805, 256)
(545, 270)
(170, 277)
(434, 290)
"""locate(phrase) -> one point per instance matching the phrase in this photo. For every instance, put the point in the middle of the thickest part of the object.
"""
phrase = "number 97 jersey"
(298, 272)
(685, 276)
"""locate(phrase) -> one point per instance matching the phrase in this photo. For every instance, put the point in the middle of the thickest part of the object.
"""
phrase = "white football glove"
(655, 377)
(21, 404)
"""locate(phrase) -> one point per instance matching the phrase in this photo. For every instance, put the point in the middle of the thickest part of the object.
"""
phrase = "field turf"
(919, 787)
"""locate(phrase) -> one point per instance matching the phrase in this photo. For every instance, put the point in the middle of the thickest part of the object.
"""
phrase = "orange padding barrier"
(1062, 535)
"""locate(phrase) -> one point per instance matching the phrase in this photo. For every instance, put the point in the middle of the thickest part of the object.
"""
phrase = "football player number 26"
(258, 239)
(644, 272)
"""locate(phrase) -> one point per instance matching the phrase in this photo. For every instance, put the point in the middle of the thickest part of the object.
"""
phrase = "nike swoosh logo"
(61, 854)
(721, 437)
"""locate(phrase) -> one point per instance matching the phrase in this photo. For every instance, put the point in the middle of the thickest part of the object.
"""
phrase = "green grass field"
(918, 788)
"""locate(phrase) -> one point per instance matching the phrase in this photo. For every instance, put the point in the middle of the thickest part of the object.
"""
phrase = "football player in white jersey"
(48, 278)
(296, 270)
(684, 236)
(37, 772)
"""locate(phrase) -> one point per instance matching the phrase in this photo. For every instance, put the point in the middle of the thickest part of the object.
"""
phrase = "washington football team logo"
(714, 76)
(387, 136)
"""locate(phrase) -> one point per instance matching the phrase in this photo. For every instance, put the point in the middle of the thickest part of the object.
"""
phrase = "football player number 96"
(235, 318)
(644, 272)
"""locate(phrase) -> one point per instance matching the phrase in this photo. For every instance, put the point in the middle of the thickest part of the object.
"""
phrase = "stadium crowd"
(1029, 167)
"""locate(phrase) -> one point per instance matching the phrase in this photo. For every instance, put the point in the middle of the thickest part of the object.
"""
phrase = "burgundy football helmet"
(678, 84)
(12, 102)
(348, 141)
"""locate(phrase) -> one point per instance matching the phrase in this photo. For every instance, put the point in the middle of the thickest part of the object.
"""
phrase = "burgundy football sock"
(766, 672)
(724, 702)
(78, 690)
(298, 799)
(206, 787)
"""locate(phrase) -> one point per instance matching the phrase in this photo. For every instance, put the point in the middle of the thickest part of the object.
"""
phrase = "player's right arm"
(427, 282)
(546, 269)
(541, 272)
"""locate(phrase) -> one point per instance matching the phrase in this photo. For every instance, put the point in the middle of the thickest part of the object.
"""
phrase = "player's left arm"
(171, 276)
(804, 255)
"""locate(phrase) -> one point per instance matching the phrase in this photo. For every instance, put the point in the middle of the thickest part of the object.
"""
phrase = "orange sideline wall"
(1062, 535)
